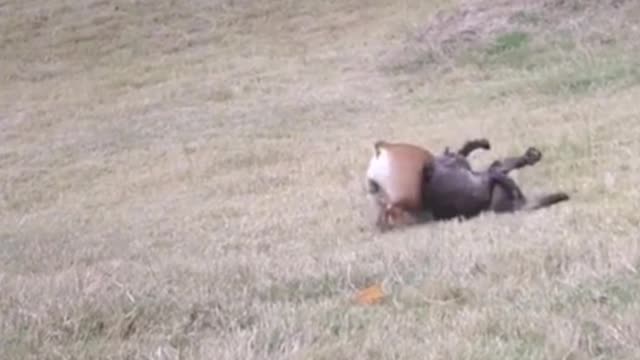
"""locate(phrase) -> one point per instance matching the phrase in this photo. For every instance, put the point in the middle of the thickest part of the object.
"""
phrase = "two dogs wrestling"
(410, 185)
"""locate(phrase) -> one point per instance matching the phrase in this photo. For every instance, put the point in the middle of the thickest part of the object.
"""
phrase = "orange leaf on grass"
(371, 295)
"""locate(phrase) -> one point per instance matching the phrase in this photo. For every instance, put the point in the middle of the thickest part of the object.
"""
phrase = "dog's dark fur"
(452, 189)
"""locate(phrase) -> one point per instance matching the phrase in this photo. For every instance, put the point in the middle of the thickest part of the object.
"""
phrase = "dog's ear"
(427, 174)
(377, 145)
(425, 188)
(427, 171)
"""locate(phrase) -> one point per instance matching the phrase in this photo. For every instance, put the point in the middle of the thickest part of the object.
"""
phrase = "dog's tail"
(546, 201)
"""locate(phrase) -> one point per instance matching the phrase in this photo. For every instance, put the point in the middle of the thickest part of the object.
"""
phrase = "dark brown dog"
(452, 189)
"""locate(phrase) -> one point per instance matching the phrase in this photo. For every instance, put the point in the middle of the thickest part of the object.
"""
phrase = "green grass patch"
(518, 50)
(508, 42)
(551, 74)
(305, 289)
(616, 294)
(588, 77)
(509, 338)
(526, 18)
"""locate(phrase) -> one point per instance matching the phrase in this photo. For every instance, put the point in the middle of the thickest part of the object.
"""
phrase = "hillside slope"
(184, 180)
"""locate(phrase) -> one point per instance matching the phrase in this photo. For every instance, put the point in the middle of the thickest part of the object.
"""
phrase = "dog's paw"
(533, 155)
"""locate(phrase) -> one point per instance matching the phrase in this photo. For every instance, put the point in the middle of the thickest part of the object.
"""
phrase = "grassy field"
(185, 180)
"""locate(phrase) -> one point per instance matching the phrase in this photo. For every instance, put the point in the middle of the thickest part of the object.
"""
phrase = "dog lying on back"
(447, 185)
(451, 188)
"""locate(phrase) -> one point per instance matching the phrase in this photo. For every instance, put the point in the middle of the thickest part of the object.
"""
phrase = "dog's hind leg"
(506, 195)
(530, 157)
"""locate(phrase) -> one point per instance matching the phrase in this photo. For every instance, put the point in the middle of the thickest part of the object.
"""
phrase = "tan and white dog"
(395, 182)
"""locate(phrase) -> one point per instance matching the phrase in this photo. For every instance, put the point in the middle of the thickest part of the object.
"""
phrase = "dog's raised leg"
(529, 158)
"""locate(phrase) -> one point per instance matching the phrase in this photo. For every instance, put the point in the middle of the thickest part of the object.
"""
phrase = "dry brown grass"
(183, 180)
